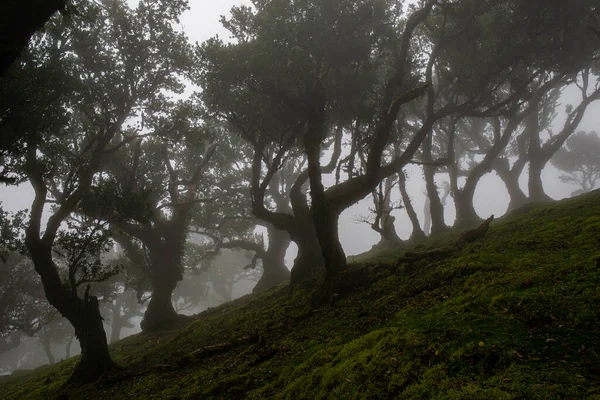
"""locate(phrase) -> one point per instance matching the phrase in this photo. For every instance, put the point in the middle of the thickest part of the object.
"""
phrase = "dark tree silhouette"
(19, 20)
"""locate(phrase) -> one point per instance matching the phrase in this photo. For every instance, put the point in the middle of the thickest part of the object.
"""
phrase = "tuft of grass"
(515, 315)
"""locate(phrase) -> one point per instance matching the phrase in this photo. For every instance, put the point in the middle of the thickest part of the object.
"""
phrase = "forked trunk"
(325, 218)
(510, 177)
(95, 358)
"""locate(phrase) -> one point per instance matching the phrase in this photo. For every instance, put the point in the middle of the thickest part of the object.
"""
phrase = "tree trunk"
(274, 269)
(325, 217)
(465, 211)
(83, 314)
(536, 161)
(68, 347)
(47, 350)
(387, 229)
(160, 314)
(309, 262)
(116, 321)
(95, 358)
(436, 209)
(536, 186)
(166, 273)
(326, 223)
(417, 232)
(510, 177)
(427, 216)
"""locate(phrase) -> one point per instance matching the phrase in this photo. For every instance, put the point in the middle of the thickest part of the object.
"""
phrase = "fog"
(203, 174)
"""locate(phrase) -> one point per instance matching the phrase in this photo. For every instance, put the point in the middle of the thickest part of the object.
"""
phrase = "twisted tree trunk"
(161, 314)
(83, 314)
(510, 177)
(274, 269)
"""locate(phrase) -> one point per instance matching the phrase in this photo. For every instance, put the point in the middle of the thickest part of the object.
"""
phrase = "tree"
(57, 331)
(417, 232)
(227, 269)
(382, 221)
(271, 258)
(162, 183)
(23, 307)
(338, 65)
(580, 160)
(117, 59)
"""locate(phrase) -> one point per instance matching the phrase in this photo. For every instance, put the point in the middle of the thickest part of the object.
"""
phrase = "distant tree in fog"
(580, 160)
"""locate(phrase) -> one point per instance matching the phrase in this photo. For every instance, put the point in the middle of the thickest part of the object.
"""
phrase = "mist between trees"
(309, 108)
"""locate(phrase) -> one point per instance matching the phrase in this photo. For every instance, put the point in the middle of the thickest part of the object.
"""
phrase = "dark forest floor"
(515, 315)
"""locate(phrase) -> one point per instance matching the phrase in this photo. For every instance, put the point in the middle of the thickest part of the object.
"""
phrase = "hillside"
(513, 315)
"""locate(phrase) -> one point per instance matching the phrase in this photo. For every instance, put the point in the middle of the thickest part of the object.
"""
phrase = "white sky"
(202, 22)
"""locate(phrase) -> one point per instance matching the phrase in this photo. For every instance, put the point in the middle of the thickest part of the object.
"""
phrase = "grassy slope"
(516, 315)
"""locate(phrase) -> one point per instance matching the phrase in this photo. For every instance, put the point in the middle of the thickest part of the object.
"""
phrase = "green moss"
(515, 315)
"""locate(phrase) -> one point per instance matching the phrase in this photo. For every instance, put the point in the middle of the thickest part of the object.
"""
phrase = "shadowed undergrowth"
(515, 315)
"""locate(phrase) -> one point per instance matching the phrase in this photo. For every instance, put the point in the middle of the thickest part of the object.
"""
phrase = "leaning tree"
(116, 61)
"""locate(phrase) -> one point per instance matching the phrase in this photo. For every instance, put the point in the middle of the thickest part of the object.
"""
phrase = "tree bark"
(436, 209)
(309, 262)
(536, 161)
(465, 211)
(83, 314)
(95, 358)
(325, 218)
(463, 198)
(510, 177)
(417, 232)
(274, 269)
(160, 314)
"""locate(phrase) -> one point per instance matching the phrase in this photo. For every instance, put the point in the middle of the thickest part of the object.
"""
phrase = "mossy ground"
(513, 316)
